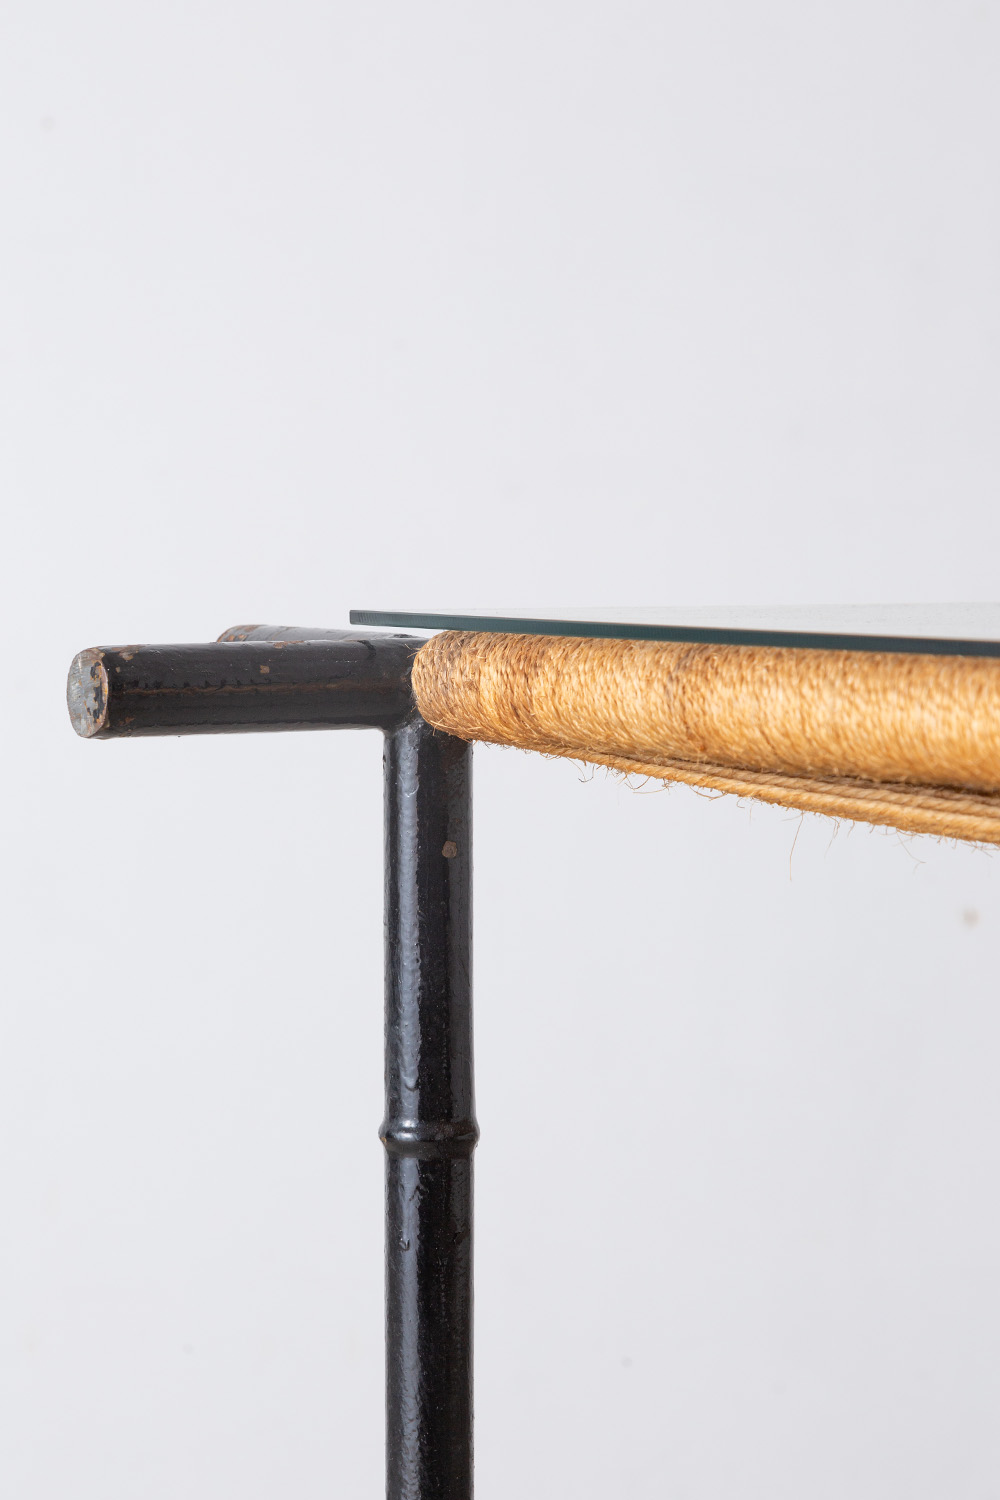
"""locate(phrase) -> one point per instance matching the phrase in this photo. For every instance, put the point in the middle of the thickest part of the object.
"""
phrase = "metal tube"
(429, 1130)
(278, 677)
(231, 687)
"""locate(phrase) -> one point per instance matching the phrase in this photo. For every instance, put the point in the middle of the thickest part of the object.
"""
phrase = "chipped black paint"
(231, 687)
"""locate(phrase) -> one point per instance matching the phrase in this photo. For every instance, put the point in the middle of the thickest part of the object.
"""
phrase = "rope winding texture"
(904, 740)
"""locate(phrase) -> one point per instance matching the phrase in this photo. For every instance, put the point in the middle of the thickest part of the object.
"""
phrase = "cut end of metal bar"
(87, 693)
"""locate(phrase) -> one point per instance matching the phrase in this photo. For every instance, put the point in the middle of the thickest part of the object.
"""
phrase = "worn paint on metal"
(87, 692)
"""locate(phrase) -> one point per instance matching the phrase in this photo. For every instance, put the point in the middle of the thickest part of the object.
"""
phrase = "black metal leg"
(429, 1130)
(278, 677)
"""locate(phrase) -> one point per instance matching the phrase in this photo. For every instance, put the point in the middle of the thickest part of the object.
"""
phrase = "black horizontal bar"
(345, 681)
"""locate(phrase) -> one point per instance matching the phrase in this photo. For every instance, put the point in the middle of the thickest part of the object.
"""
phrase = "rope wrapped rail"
(909, 741)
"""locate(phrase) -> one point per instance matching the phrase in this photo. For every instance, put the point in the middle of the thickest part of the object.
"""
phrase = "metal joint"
(429, 1140)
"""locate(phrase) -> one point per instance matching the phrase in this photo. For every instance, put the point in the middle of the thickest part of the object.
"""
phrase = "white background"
(313, 305)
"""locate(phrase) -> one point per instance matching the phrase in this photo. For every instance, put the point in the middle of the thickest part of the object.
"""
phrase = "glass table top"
(941, 629)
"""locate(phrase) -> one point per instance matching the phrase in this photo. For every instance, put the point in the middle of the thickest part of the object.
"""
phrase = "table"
(579, 683)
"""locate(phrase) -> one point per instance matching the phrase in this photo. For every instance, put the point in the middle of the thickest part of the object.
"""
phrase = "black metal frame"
(276, 677)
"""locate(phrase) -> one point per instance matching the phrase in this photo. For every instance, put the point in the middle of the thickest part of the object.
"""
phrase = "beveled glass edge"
(690, 634)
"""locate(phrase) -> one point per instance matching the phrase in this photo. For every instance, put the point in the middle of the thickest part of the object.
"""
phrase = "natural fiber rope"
(905, 740)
